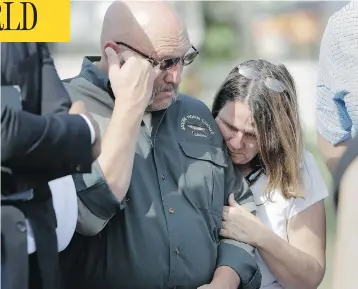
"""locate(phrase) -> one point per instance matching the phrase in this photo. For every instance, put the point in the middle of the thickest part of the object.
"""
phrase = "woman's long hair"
(277, 122)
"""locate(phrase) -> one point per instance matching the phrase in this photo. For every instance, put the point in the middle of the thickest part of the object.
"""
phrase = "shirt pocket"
(204, 175)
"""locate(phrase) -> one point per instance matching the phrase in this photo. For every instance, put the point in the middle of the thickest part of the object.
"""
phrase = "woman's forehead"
(238, 115)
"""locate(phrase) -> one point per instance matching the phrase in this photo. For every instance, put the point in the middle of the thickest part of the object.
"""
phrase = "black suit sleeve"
(55, 97)
(57, 144)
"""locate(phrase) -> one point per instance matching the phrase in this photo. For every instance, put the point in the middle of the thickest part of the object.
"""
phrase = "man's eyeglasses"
(270, 82)
(166, 63)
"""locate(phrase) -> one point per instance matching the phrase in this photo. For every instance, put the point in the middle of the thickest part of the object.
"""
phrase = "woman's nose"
(237, 141)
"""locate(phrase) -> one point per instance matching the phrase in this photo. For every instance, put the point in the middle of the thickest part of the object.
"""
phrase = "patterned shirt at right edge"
(337, 89)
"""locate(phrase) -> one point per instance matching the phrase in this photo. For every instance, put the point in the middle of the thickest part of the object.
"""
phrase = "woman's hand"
(240, 225)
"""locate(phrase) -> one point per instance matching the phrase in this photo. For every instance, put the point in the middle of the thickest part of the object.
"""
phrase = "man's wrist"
(133, 103)
(137, 110)
(128, 113)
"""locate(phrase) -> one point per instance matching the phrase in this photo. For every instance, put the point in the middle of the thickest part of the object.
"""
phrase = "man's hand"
(131, 77)
(78, 107)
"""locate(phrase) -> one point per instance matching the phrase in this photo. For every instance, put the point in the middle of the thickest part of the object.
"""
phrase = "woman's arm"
(300, 263)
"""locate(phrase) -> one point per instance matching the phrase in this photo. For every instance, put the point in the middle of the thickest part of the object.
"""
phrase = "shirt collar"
(93, 74)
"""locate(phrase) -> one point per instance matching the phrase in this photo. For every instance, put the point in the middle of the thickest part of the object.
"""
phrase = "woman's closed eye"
(250, 135)
(231, 127)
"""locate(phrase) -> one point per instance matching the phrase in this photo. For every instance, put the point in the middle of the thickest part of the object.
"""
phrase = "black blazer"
(41, 139)
(30, 66)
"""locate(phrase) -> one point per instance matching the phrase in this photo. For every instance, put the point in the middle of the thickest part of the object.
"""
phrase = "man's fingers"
(128, 56)
(77, 108)
(112, 55)
(115, 61)
(225, 215)
(224, 224)
(125, 57)
(232, 202)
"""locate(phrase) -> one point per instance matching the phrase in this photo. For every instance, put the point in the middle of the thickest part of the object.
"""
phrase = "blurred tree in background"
(221, 41)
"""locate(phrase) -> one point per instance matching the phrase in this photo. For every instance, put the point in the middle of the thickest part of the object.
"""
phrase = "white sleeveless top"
(276, 214)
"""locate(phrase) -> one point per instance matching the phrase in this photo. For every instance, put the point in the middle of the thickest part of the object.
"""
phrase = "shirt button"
(171, 210)
(163, 178)
(21, 227)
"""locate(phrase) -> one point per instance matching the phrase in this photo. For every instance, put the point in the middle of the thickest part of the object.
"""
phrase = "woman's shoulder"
(314, 185)
(311, 172)
(307, 157)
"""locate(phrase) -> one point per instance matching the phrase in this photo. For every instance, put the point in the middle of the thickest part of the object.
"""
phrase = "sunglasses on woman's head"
(166, 64)
(270, 82)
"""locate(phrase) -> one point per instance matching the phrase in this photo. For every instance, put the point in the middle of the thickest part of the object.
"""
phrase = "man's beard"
(155, 106)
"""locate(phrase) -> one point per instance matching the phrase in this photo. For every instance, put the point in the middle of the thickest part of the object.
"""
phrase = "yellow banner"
(35, 21)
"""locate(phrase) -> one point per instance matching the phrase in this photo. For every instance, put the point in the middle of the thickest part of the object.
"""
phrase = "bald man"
(150, 213)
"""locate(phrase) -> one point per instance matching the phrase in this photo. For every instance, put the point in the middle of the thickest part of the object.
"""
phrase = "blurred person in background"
(150, 214)
(44, 138)
(337, 98)
(256, 109)
(345, 201)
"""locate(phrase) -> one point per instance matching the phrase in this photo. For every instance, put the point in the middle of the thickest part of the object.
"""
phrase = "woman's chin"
(239, 159)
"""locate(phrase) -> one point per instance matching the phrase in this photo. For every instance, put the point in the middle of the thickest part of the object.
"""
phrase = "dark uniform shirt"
(167, 233)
